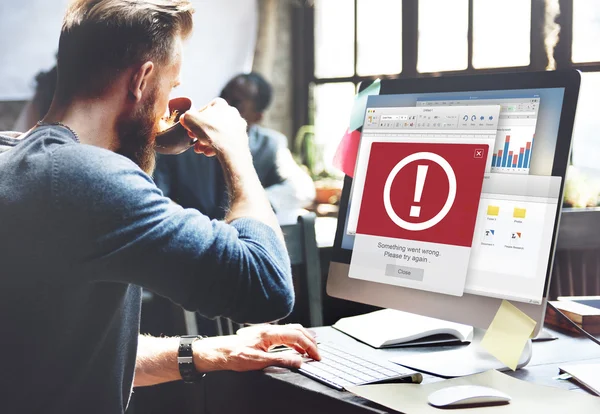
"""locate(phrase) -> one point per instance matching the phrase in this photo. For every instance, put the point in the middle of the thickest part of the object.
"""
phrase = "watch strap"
(185, 359)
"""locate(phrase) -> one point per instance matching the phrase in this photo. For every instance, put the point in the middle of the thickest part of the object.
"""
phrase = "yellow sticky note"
(507, 335)
(493, 210)
(519, 213)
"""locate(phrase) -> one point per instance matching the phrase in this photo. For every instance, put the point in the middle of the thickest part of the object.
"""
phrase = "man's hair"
(264, 94)
(101, 38)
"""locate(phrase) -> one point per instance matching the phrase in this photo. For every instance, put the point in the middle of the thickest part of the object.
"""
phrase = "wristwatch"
(185, 359)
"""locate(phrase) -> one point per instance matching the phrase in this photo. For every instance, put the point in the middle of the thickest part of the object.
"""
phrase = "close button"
(403, 272)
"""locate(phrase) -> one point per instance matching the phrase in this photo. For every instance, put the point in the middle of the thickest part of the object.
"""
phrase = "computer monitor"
(523, 122)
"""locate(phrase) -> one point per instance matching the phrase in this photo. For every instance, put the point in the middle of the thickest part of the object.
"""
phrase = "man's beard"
(137, 135)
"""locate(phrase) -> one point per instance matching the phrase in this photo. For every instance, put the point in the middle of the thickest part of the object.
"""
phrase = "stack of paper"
(587, 375)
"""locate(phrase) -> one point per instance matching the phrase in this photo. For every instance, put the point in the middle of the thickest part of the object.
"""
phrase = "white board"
(29, 30)
(222, 45)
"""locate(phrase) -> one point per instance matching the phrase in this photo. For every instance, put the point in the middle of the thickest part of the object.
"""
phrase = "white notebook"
(391, 328)
(586, 374)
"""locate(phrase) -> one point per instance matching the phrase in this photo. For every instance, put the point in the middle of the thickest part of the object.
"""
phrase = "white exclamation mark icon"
(415, 211)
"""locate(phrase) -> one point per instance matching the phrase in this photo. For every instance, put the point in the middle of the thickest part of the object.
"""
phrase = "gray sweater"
(82, 230)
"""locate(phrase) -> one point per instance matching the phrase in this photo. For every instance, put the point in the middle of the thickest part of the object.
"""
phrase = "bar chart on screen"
(513, 151)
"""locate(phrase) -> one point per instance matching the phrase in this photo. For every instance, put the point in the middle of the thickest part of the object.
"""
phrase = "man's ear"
(139, 80)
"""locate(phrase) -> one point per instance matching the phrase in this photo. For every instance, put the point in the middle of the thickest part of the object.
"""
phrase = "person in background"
(198, 182)
(38, 106)
(34, 110)
(85, 228)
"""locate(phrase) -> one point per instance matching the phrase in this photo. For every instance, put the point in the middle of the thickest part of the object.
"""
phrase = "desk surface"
(281, 390)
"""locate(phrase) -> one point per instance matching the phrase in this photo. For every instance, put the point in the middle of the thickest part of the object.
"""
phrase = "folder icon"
(493, 210)
(519, 213)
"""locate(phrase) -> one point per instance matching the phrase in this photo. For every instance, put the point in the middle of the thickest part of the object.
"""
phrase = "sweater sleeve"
(120, 228)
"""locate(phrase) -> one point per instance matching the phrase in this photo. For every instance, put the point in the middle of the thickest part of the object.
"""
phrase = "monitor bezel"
(569, 80)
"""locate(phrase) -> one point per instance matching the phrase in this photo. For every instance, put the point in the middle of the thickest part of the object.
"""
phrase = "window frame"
(304, 47)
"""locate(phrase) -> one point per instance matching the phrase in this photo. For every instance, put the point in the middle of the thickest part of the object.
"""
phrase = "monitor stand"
(460, 361)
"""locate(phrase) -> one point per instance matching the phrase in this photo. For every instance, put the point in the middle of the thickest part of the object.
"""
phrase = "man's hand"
(249, 349)
(221, 131)
(218, 127)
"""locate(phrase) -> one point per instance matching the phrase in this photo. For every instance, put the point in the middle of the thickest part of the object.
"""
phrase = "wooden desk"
(282, 391)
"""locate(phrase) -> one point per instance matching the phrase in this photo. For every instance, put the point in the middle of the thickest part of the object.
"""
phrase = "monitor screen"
(507, 254)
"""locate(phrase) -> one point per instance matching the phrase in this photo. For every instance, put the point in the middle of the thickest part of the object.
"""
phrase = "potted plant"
(308, 152)
(580, 190)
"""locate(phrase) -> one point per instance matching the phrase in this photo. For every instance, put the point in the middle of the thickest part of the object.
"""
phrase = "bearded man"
(84, 228)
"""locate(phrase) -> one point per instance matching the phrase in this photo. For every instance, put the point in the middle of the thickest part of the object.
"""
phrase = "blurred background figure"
(197, 181)
(37, 107)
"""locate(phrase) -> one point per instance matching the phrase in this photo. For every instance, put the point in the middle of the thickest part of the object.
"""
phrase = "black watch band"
(185, 359)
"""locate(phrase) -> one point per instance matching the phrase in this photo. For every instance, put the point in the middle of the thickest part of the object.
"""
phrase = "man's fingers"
(207, 150)
(201, 123)
(193, 121)
(203, 142)
(190, 122)
(218, 101)
(310, 335)
(210, 152)
(300, 343)
(201, 136)
(293, 335)
(257, 359)
(298, 348)
(309, 347)
(282, 359)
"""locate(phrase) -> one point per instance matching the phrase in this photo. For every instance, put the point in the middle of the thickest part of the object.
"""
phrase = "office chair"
(301, 243)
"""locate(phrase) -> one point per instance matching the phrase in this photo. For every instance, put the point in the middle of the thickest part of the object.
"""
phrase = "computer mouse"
(465, 395)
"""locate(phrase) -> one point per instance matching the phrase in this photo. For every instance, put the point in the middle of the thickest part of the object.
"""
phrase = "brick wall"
(273, 59)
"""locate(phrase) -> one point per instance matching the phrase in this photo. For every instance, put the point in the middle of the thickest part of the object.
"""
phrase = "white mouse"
(466, 395)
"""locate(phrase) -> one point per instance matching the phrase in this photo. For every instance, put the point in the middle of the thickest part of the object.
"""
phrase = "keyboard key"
(321, 373)
(374, 367)
(349, 364)
(397, 369)
(371, 373)
(387, 372)
(345, 384)
(347, 375)
(345, 372)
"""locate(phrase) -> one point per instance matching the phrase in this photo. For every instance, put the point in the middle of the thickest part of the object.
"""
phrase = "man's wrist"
(234, 160)
(207, 356)
(239, 172)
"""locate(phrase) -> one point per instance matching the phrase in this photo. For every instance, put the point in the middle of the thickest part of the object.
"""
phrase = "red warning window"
(427, 192)
(417, 216)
